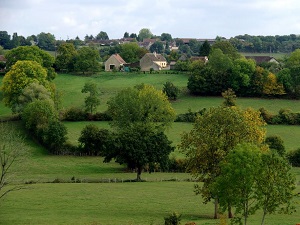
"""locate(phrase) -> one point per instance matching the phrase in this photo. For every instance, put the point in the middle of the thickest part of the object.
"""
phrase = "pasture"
(45, 201)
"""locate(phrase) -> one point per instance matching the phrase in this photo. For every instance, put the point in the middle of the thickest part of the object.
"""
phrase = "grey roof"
(155, 57)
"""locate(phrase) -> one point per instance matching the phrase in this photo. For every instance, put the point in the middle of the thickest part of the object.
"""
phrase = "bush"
(75, 114)
(294, 157)
(177, 165)
(190, 116)
(267, 116)
(102, 116)
(276, 143)
(173, 219)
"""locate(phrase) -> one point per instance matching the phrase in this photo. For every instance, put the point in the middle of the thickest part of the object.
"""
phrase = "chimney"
(154, 54)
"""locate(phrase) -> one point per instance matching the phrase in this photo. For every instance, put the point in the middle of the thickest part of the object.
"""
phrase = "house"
(263, 59)
(153, 61)
(115, 61)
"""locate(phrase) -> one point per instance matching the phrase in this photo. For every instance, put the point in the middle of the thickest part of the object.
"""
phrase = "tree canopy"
(21, 74)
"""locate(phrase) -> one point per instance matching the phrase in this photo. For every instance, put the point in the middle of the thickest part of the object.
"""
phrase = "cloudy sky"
(188, 18)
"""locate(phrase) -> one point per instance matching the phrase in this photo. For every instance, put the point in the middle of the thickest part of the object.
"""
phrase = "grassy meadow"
(44, 201)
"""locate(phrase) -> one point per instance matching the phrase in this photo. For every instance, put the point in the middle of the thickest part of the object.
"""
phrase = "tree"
(20, 75)
(227, 48)
(144, 33)
(276, 144)
(142, 105)
(132, 52)
(204, 49)
(234, 185)
(275, 184)
(32, 53)
(126, 35)
(140, 116)
(229, 98)
(66, 57)
(87, 60)
(171, 90)
(12, 149)
(214, 134)
(91, 101)
(157, 47)
(32, 92)
(102, 36)
(166, 37)
(138, 146)
(37, 115)
(95, 141)
(271, 86)
(46, 41)
(5, 40)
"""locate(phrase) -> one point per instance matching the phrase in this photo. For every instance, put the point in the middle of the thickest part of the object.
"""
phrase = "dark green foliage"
(139, 146)
(190, 116)
(276, 144)
(157, 47)
(46, 41)
(266, 115)
(95, 141)
(204, 49)
(171, 90)
(75, 114)
(87, 60)
(55, 136)
(173, 219)
(294, 157)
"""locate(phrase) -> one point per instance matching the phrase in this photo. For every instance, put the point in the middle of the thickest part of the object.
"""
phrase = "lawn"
(44, 202)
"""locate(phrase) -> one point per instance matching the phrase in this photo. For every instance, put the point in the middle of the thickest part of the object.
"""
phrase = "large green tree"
(213, 136)
(102, 36)
(46, 41)
(234, 185)
(140, 116)
(144, 33)
(87, 60)
(66, 57)
(32, 53)
(142, 105)
(20, 75)
(132, 52)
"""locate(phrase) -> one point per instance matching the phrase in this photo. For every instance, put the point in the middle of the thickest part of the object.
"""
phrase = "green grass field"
(44, 202)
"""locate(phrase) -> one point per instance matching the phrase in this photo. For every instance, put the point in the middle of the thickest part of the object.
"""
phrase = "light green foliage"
(142, 105)
(38, 114)
(91, 101)
(87, 60)
(66, 57)
(219, 61)
(132, 52)
(32, 92)
(20, 75)
(144, 33)
(227, 48)
(274, 185)
(32, 53)
(242, 71)
(234, 185)
(214, 134)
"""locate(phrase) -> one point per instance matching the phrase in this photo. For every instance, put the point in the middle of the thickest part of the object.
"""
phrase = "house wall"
(111, 61)
(146, 64)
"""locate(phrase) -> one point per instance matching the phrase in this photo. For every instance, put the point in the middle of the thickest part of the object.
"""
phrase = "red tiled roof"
(119, 58)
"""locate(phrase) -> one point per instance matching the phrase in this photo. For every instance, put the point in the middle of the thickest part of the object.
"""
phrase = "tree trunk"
(263, 219)
(138, 174)
(230, 214)
(216, 208)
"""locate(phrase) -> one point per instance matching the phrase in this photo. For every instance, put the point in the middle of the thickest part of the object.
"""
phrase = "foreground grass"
(113, 204)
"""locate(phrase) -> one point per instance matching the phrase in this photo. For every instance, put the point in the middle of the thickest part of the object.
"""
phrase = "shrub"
(267, 116)
(294, 157)
(276, 143)
(190, 116)
(177, 165)
(171, 90)
(102, 116)
(173, 219)
(75, 114)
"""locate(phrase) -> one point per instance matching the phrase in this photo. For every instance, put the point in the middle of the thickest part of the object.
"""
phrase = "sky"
(67, 19)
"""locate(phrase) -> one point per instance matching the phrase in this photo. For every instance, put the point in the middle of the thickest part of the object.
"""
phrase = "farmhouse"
(115, 61)
(263, 59)
(153, 61)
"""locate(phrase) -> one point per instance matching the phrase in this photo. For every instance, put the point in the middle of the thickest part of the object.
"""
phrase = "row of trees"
(226, 68)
